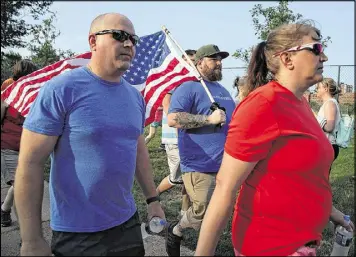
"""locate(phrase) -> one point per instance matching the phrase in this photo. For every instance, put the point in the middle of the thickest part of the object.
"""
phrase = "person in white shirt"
(329, 114)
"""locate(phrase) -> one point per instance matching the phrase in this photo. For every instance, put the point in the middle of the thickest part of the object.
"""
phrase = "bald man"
(90, 120)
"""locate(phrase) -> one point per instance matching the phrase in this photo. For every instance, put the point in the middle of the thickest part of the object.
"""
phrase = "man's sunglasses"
(315, 48)
(120, 35)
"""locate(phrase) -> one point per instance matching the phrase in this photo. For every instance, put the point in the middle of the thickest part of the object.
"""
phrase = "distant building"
(345, 88)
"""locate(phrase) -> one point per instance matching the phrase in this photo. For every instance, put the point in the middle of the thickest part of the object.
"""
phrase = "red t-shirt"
(286, 201)
(158, 114)
(11, 126)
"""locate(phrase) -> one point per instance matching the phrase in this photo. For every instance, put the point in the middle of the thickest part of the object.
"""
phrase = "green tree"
(272, 18)
(8, 60)
(41, 46)
(13, 26)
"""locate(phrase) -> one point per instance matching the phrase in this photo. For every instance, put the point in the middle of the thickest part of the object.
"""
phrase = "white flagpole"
(168, 33)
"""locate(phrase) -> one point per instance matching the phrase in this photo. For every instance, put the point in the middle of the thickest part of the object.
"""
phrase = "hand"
(217, 117)
(337, 217)
(35, 248)
(154, 209)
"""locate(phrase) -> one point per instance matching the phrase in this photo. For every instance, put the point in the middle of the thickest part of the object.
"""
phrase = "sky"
(225, 24)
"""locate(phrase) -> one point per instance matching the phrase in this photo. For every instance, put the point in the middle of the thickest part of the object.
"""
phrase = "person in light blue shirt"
(90, 121)
(170, 141)
(201, 139)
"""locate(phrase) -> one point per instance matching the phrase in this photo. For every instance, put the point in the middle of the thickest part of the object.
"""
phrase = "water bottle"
(343, 239)
(155, 226)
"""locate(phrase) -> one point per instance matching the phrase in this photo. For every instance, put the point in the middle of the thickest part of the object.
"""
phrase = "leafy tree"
(42, 48)
(13, 26)
(8, 60)
(272, 18)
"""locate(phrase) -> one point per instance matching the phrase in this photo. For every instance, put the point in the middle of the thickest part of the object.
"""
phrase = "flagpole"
(168, 33)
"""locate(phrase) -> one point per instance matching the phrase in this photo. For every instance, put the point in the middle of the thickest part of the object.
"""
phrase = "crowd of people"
(266, 146)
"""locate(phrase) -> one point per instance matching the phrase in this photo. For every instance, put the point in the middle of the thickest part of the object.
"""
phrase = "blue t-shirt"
(94, 162)
(201, 149)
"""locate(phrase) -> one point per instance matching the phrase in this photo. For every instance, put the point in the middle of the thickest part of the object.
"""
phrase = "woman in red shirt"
(277, 153)
(11, 130)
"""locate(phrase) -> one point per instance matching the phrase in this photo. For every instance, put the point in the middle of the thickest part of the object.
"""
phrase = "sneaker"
(172, 241)
(5, 218)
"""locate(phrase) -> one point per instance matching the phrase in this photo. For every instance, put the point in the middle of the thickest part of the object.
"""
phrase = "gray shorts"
(175, 174)
(9, 160)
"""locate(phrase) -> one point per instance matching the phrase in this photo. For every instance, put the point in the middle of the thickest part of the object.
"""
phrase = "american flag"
(156, 69)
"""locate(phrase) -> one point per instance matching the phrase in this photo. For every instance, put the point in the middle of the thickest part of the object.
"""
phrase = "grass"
(342, 185)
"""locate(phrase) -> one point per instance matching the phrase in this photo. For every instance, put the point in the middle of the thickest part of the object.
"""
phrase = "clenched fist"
(218, 116)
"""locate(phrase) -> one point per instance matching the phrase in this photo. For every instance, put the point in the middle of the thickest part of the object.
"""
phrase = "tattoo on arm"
(188, 121)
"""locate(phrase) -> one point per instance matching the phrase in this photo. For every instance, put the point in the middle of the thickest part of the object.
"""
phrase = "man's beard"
(213, 75)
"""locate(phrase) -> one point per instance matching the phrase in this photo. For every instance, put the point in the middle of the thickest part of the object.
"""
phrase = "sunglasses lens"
(318, 48)
(134, 39)
(123, 36)
(119, 36)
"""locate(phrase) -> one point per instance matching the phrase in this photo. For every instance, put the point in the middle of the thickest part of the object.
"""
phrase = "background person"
(11, 129)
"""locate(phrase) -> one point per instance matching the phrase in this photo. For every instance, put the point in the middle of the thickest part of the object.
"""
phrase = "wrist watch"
(153, 199)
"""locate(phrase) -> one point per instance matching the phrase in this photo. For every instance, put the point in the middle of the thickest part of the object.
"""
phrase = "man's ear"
(287, 60)
(199, 63)
(92, 42)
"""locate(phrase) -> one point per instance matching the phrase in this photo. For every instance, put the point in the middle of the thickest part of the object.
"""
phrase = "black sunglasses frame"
(120, 35)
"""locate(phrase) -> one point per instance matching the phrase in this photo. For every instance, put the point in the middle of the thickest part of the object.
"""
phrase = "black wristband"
(153, 199)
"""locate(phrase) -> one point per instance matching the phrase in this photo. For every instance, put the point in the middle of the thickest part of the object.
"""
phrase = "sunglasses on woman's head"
(120, 35)
(315, 48)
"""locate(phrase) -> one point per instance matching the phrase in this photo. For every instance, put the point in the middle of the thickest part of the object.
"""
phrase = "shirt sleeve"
(47, 113)
(182, 100)
(252, 130)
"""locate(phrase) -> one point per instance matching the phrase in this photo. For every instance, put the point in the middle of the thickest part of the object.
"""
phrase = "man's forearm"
(186, 120)
(144, 173)
(28, 200)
